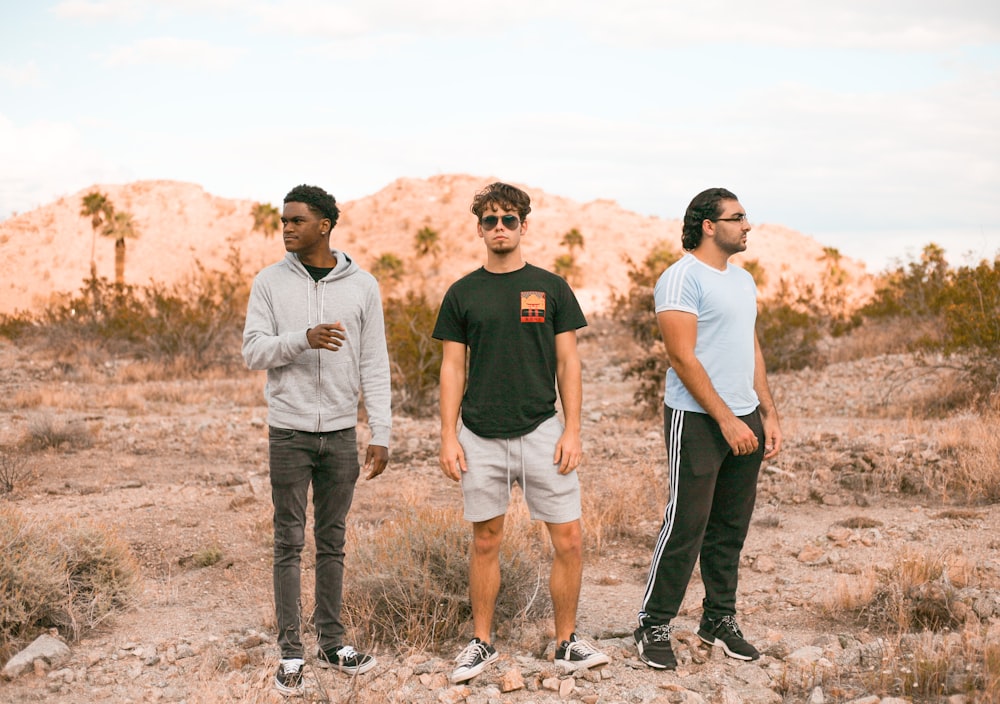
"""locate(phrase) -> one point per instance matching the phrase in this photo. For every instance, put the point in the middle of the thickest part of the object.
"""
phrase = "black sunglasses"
(510, 222)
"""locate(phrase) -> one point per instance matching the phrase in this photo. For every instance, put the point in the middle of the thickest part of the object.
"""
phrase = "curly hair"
(319, 201)
(504, 197)
(704, 206)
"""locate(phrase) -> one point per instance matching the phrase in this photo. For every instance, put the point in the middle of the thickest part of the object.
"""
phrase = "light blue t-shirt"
(725, 303)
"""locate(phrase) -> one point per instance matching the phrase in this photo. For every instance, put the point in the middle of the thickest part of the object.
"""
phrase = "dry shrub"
(410, 577)
(70, 576)
(44, 432)
(920, 591)
(622, 510)
(975, 445)
(15, 471)
(930, 666)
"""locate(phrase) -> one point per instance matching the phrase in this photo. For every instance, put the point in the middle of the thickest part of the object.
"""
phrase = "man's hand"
(569, 452)
(452, 458)
(326, 336)
(376, 458)
(742, 440)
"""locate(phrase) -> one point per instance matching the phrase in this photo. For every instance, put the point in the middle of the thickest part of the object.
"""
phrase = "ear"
(326, 228)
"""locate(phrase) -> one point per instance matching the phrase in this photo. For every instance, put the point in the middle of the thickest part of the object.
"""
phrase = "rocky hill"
(46, 252)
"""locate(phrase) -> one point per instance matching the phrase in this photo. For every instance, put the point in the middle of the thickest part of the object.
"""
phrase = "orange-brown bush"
(414, 355)
(409, 584)
(67, 575)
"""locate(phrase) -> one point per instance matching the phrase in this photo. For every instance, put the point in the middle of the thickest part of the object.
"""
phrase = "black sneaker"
(288, 679)
(472, 660)
(726, 633)
(346, 659)
(576, 654)
(653, 643)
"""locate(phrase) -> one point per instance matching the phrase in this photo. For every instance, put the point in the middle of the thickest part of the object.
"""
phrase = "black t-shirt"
(509, 323)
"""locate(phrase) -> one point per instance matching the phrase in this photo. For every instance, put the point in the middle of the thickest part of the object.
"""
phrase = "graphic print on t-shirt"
(532, 306)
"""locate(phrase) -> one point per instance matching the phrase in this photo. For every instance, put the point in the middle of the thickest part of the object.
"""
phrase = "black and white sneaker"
(576, 654)
(346, 659)
(726, 632)
(653, 643)
(471, 661)
(288, 679)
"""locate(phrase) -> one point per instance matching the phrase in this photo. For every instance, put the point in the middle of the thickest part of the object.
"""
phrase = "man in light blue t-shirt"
(719, 423)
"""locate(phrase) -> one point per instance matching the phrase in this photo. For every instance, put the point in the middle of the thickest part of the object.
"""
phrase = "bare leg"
(484, 574)
(567, 573)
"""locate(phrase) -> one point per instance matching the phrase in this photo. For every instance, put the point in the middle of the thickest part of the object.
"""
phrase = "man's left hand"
(376, 459)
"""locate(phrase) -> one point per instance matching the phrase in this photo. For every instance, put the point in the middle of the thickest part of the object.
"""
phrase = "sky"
(872, 126)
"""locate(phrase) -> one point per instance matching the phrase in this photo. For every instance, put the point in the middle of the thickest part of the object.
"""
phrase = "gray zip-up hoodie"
(317, 390)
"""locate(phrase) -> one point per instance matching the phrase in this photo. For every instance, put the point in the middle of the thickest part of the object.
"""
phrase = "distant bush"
(198, 320)
(959, 309)
(64, 574)
(410, 580)
(636, 311)
(15, 470)
(414, 355)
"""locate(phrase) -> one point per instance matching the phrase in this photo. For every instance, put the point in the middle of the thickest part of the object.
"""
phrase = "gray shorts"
(496, 464)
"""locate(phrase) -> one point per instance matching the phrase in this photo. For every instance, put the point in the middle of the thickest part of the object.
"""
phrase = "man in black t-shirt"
(515, 326)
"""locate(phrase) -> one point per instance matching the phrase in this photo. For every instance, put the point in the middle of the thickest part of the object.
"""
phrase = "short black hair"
(704, 206)
(319, 201)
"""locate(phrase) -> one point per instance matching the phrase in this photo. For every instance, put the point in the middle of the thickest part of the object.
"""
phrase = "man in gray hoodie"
(315, 323)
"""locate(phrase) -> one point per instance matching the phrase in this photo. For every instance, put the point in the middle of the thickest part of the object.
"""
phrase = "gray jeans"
(329, 461)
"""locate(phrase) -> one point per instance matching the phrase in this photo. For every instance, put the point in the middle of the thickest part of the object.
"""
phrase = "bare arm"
(569, 377)
(452, 457)
(768, 410)
(680, 333)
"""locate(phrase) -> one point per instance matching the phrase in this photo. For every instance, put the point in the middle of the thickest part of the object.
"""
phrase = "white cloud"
(20, 75)
(98, 10)
(44, 159)
(172, 51)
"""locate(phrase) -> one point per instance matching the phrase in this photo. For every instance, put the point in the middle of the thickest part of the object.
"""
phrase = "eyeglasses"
(510, 222)
(741, 218)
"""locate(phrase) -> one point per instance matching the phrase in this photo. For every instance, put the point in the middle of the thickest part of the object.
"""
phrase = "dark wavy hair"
(319, 201)
(504, 197)
(707, 205)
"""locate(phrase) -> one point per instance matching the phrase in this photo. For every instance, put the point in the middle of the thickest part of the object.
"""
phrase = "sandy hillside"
(47, 251)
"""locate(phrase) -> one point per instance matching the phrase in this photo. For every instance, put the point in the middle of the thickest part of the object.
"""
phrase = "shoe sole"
(652, 664)
(467, 675)
(725, 648)
(289, 691)
(362, 669)
(591, 662)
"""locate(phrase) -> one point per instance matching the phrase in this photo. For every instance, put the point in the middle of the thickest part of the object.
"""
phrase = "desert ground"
(180, 465)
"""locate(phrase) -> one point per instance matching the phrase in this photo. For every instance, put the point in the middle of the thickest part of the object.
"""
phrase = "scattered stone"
(44, 652)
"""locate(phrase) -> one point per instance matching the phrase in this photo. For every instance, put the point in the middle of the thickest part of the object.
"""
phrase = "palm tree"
(121, 226)
(573, 240)
(266, 219)
(565, 266)
(98, 208)
(427, 242)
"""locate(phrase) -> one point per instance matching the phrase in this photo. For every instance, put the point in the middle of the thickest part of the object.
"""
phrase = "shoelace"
(291, 667)
(582, 647)
(730, 622)
(347, 652)
(468, 656)
(660, 633)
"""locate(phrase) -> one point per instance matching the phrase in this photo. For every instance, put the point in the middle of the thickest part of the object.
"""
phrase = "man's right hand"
(452, 458)
(742, 440)
(326, 336)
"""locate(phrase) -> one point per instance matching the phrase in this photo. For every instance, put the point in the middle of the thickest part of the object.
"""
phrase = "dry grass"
(16, 472)
(69, 575)
(622, 510)
(44, 432)
(409, 584)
